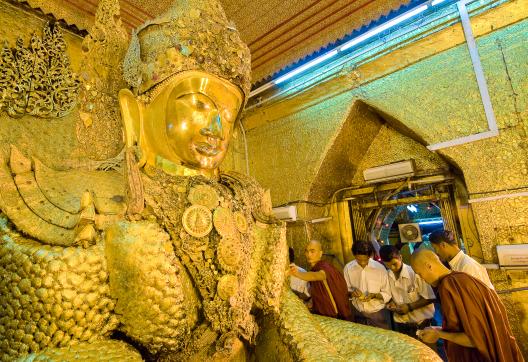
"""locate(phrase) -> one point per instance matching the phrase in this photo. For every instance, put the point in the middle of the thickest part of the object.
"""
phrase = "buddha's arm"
(156, 301)
(298, 333)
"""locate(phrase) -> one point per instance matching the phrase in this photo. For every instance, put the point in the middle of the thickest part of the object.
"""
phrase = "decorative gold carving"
(229, 253)
(99, 129)
(224, 222)
(241, 222)
(197, 221)
(64, 189)
(13, 205)
(190, 35)
(203, 195)
(18, 163)
(227, 286)
(36, 201)
(51, 205)
(37, 79)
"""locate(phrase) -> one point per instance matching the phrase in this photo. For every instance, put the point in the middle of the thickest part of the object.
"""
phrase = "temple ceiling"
(279, 33)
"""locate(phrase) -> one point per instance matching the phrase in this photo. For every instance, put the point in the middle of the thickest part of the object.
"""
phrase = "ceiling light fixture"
(343, 47)
(383, 27)
(412, 208)
(431, 222)
(306, 66)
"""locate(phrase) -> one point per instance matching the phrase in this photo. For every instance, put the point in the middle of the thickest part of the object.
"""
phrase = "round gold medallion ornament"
(241, 222)
(227, 286)
(224, 222)
(203, 195)
(197, 221)
(229, 253)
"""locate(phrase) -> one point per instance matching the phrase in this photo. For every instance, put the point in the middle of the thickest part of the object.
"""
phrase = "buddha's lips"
(206, 149)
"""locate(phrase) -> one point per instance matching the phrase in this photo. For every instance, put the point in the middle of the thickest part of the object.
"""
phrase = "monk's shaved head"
(424, 256)
(428, 266)
(315, 244)
(314, 252)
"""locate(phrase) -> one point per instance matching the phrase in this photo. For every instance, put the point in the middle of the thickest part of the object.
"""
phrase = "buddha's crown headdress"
(190, 35)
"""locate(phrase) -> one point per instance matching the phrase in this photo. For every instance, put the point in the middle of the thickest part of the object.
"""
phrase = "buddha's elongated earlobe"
(131, 115)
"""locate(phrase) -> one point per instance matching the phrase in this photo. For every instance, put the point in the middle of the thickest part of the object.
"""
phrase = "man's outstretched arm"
(307, 276)
(431, 335)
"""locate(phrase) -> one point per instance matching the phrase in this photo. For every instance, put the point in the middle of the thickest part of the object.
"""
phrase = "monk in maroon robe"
(327, 285)
(475, 326)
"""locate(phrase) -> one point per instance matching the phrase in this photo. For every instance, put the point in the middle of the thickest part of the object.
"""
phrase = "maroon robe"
(469, 306)
(322, 304)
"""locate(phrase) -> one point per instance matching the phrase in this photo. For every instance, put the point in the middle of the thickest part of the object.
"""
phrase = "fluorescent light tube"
(431, 222)
(306, 66)
(383, 27)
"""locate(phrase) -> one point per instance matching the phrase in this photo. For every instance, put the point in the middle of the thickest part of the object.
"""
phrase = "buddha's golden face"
(190, 120)
(198, 130)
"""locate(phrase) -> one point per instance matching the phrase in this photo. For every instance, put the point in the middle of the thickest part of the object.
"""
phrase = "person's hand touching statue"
(429, 334)
(293, 270)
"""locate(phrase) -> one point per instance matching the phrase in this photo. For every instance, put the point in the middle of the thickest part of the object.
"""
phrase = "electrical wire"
(496, 191)
(304, 202)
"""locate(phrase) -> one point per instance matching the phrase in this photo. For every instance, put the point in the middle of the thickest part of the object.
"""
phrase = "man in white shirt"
(412, 298)
(300, 287)
(447, 249)
(368, 286)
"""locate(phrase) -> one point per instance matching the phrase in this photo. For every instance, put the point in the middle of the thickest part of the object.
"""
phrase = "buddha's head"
(189, 76)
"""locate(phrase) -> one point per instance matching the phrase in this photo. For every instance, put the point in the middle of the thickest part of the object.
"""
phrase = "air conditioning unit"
(513, 256)
(391, 171)
(410, 233)
(286, 213)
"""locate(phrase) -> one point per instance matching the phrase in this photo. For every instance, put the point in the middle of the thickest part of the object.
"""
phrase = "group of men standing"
(475, 325)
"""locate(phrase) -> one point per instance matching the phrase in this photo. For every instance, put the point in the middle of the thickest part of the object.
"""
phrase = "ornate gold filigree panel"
(37, 79)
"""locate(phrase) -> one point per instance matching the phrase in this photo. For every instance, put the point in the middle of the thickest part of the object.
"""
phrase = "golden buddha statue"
(176, 258)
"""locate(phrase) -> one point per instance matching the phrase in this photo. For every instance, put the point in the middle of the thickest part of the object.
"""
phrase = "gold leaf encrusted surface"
(222, 263)
(51, 296)
(104, 350)
(99, 128)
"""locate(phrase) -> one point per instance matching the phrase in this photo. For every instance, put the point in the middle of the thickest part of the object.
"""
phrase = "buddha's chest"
(210, 225)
